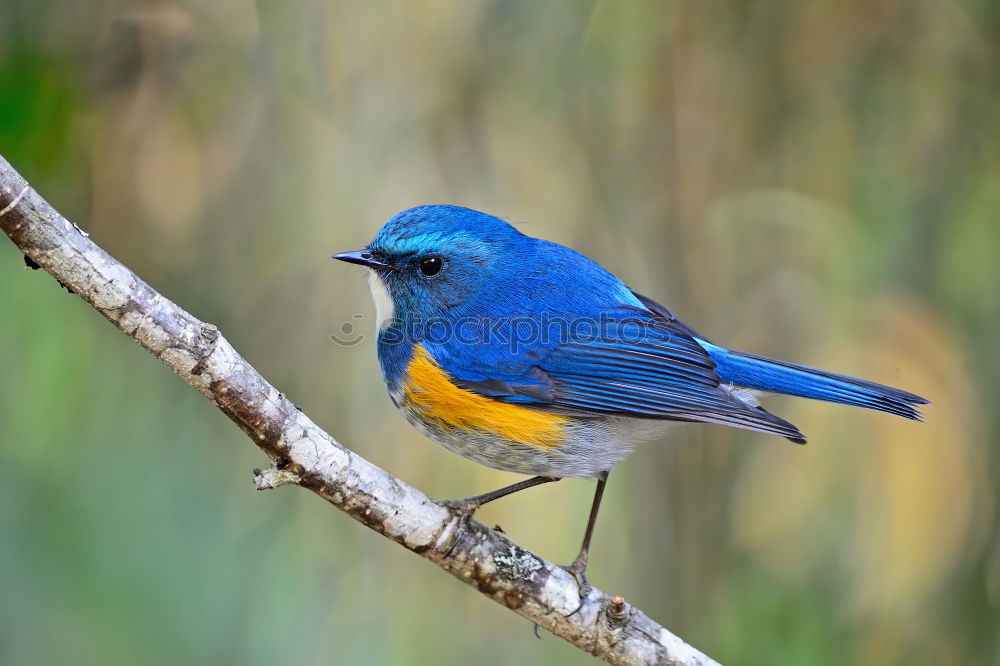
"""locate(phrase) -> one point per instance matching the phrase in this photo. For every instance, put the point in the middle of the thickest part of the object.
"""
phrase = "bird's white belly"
(590, 446)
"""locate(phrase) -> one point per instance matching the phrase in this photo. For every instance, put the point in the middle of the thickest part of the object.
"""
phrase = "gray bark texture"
(303, 454)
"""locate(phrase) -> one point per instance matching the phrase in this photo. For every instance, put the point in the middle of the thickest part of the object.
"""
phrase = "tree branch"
(305, 455)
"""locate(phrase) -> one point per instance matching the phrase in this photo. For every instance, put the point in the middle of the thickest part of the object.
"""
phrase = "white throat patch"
(384, 308)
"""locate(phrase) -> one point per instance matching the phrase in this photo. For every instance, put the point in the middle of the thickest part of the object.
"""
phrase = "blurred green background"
(812, 180)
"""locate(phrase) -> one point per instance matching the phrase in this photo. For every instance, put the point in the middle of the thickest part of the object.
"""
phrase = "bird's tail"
(768, 374)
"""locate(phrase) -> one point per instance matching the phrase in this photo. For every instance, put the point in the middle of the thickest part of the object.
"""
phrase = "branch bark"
(303, 454)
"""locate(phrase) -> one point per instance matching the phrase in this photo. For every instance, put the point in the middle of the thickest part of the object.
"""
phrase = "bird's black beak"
(360, 257)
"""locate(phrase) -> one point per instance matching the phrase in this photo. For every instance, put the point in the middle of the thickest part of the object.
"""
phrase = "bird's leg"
(469, 505)
(579, 566)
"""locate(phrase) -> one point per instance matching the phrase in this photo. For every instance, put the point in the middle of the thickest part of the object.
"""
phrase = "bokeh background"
(812, 180)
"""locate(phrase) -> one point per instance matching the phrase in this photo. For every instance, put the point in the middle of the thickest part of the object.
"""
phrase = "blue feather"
(768, 374)
(635, 364)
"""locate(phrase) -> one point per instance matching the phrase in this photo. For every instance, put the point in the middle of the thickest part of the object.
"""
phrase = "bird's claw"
(465, 509)
(578, 570)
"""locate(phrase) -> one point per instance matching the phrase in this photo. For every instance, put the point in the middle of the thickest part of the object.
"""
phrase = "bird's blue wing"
(630, 362)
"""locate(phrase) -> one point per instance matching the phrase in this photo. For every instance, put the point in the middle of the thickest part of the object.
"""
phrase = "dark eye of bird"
(431, 266)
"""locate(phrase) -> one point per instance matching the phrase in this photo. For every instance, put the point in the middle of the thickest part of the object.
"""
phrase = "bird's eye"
(431, 266)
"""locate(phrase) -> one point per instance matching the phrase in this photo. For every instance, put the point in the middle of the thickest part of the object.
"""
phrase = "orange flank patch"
(429, 390)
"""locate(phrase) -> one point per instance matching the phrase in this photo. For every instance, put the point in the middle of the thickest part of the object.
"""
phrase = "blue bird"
(526, 356)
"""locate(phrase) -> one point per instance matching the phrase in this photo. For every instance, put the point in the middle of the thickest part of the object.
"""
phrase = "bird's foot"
(465, 509)
(578, 569)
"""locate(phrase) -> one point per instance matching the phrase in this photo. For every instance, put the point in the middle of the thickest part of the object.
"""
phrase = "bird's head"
(430, 259)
